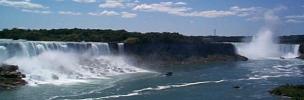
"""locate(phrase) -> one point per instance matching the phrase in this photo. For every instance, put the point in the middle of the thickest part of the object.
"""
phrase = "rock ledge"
(10, 77)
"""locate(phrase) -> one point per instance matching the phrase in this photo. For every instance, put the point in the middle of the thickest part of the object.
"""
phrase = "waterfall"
(34, 48)
(289, 50)
(61, 62)
(121, 48)
(263, 45)
(3, 53)
(283, 50)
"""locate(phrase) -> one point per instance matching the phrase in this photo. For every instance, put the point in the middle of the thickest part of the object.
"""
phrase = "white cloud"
(36, 11)
(69, 13)
(19, 0)
(128, 15)
(113, 13)
(209, 14)
(168, 7)
(130, 4)
(180, 9)
(119, 4)
(23, 4)
(244, 11)
(112, 4)
(294, 21)
(295, 16)
(85, 1)
(104, 13)
(181, 3)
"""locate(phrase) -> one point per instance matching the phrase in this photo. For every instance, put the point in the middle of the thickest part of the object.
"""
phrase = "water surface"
(189, 82)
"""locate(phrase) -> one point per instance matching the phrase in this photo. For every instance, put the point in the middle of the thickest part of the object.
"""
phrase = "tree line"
(108, 35)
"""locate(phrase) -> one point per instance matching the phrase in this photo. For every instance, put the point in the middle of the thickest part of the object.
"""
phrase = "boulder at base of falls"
(301, 51)
(10, 77)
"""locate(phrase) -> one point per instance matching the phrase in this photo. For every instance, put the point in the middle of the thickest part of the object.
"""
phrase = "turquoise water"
(189, 82)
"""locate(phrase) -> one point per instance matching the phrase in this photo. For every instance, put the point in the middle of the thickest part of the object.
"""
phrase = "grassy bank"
(296, 92)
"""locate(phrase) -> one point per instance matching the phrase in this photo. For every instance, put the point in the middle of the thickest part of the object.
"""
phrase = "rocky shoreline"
(11, 77)
(295, 92)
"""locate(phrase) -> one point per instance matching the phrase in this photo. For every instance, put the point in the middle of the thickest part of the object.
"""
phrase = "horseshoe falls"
(281, 51)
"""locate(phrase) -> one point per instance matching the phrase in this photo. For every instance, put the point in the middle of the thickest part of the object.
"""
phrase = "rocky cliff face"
(10, 77)
(301, 51)
(158, 54)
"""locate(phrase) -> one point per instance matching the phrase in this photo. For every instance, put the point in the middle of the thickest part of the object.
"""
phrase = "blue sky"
(189, 17)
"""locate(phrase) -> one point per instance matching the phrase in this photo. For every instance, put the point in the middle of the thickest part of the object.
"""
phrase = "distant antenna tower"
(214, 32)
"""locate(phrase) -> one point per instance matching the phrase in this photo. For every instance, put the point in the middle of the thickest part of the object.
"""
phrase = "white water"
(289, 50)
(121, 48)
(281, 51)
(158, 88)
(63, 62)
(263, 45)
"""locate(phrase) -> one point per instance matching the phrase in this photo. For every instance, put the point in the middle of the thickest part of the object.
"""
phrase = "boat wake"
(157, 88)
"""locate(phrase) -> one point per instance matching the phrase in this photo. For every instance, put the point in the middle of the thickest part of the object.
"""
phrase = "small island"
(296, 92)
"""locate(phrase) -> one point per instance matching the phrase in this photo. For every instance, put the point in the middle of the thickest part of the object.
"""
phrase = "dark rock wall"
(181, 53)
(177, 49)
(301, 51)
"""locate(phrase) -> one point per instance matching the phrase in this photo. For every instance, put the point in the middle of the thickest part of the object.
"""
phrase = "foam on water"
(176, 85)
(265, 73)
(157, 88)
(284, 68)
(260, 72)
(64, 62)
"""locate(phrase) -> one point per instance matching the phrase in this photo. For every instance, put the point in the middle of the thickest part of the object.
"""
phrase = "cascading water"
(289, 50)
(263, 45)
(121, 48)
(283, 51)
(57, 62)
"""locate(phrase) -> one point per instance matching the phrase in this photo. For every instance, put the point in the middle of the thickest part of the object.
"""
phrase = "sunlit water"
(195, 82)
